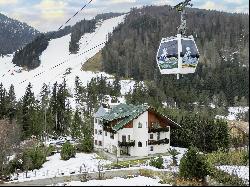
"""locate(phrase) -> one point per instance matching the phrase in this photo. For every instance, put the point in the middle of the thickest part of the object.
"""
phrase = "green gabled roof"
(135, 112)
(126, 113)
(122, 111)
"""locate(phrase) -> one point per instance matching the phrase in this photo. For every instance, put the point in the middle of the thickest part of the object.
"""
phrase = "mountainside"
(222, 40)
(57, 62)
(14, 34)
(28, 56)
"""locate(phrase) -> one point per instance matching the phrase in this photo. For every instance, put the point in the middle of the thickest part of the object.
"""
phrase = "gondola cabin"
(177, 55)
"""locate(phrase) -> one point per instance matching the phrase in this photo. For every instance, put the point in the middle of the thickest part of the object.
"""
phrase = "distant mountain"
(14, 34)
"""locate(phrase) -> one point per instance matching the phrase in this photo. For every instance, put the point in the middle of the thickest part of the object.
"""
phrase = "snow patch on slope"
(56, 60)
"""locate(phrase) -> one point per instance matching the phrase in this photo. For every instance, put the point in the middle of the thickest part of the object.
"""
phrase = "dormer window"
(139, 125)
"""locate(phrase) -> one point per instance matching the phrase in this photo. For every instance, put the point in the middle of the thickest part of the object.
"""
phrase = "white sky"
(47, 15)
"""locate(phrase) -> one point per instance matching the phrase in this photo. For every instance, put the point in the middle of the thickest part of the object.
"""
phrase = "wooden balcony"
(161, 129)
(158, 142)
(126, 144)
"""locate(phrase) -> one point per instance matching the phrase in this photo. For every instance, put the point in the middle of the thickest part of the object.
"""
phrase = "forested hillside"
(222, 76)
(14, 34)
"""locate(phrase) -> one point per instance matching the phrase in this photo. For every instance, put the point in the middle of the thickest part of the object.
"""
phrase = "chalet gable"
(122, 115)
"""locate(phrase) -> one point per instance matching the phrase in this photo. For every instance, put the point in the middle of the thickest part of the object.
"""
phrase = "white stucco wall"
(140, 135)
(137, 134)
(162, 148)
(98, 137)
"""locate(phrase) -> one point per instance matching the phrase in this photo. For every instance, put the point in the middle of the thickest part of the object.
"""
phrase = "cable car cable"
(75, 14)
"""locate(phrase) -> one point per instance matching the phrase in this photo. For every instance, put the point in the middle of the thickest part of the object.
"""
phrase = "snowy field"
(56, 167)
(56, 59)
(233, 111)
(241, 171)
(136, 181)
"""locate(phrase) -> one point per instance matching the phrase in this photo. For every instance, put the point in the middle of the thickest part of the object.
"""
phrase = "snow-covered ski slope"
(56, 59)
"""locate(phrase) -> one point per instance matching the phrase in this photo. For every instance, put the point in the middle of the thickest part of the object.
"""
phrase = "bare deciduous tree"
(9, 137)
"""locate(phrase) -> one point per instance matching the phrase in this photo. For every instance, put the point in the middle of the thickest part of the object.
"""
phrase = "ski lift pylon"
(178, 54)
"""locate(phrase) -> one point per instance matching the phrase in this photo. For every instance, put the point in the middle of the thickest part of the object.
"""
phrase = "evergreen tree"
(193, 165)
(67, 117)
(30, 119)
(116, 91)
(76, 125)
(44, 94)
(11, 103)
(3, 102)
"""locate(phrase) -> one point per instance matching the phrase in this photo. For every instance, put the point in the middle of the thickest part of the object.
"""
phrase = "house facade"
(132, 130)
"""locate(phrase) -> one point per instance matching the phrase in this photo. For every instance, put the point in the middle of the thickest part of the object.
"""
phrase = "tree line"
(222, 76)
(51, 112)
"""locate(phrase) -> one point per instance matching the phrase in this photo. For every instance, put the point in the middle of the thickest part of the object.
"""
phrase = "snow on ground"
(117, 181)
(55, 167)
(233, 111)
(240, 171)
(168, 159)
(56, 60)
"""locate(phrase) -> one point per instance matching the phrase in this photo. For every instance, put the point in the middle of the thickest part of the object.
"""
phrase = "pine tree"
(116, 87)
(11, 103)
(44, 94)
(68, 117)
(29, 117)
(53, 105)
(61, 103)
(3, 102)
(76, 125)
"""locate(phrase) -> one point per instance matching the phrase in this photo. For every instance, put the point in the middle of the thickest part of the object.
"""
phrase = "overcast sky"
(47, 15)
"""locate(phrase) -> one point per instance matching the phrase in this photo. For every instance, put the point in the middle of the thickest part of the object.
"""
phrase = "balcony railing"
(126, 144)
(162, 129)
(158, 142)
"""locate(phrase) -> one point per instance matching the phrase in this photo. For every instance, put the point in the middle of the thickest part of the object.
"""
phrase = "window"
(158, 135)
(95, 142)
(100, 132)
(139, 125)
(139, 144)
(95, 131)
(128, 137)
(100, 143)
(106, 133)
(111, 136)
(99, 122)
(95, 120)
(151, 136)
(146, 143)
(123, 138)
(151, 148)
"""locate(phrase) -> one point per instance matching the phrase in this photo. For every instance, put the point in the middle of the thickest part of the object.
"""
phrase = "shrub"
(146, 173)
(13, 165)
(236, 157)
(158, 162)
(33, 158)
(68, 151)
(194, 165)
(86, 145)
(50, 150)
(173, 153)
(227, 179)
